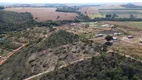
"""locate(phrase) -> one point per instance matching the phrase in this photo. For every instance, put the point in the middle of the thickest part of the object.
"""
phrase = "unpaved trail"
(53, 68)
(11, 53)
(128, 56)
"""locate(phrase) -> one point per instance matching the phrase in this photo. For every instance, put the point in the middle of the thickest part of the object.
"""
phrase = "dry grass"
(44, 14)
(129, 49)
(128, 24)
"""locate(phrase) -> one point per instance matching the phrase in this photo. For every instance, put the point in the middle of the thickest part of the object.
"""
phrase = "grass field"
(131, 24)
(122, 13)
(44, 14)
(115, 6)
(92, 12)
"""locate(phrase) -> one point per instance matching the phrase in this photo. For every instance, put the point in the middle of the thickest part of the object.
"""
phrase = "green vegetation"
(112, 67)
(92, 16)
(23, 64)
(68, 9)
(12, 21)
(7, 46)
(61, 38)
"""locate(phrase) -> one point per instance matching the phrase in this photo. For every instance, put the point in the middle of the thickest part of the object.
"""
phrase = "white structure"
(117, 34)
(99, 35)
(114, 38)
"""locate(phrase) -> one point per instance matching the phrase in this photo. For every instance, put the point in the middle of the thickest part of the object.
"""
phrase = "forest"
(12, 21)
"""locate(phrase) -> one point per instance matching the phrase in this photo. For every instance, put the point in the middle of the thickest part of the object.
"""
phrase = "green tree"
(108, 38)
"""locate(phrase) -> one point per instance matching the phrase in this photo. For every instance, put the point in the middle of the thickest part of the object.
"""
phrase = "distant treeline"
(68, 9)
(117, 19)
(1, 7)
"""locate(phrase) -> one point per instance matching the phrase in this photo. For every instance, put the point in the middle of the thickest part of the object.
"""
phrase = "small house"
(115, 38)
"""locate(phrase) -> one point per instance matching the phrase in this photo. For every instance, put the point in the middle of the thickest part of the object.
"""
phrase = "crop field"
(91, 12)
(44, 14)
(101, 11)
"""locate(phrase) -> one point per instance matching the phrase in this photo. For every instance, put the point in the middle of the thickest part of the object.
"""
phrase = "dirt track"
(53, 68)
(11, 53)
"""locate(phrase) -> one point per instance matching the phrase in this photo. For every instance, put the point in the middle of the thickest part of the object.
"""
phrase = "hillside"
(12, 21)
(109, 67)
(37, 57)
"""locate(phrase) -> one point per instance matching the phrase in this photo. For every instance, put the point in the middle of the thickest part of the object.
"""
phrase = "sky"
(66, 1)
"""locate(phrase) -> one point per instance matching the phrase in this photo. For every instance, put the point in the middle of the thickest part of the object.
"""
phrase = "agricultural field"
(44, 14)
(91, 12)
(101, 11)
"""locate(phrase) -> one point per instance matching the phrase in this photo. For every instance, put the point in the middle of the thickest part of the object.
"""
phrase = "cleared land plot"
(44, 14)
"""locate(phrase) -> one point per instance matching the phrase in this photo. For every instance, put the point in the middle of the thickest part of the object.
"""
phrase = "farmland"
(102, 10)
(91, 12)
(44, 14)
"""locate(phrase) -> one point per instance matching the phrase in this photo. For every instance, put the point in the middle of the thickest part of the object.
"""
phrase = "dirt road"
(53, 68)
(11, 53)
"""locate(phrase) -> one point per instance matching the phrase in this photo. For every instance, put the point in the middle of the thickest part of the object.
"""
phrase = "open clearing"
(131, 47)
(44, 14)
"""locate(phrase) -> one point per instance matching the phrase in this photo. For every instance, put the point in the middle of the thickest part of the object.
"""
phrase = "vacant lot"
(44, 14)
